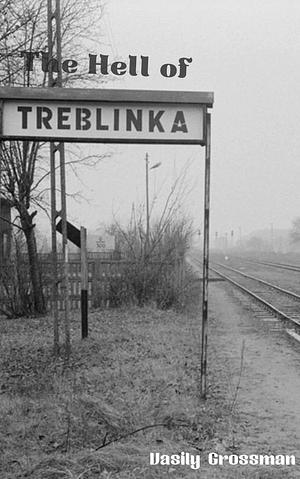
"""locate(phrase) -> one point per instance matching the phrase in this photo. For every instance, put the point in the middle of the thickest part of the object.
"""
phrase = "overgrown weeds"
(137, 369)
(153, 268)
(15, 286)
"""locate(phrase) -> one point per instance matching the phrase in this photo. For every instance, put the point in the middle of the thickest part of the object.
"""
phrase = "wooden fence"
(101, 272)
(106, 279)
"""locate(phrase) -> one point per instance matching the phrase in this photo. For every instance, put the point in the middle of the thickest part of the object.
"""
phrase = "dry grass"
(138, 367)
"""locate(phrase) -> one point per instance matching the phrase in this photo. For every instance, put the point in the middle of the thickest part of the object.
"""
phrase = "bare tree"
(155, 267)
(24, 28)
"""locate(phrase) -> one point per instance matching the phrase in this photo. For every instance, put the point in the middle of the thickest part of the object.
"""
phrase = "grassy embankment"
(138, 368)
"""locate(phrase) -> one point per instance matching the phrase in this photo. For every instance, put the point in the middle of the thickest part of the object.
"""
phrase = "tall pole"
(205, 259)
(1, 236)
(55, 40)
(2, 252)
(53, 196)
(63, 194)
(54, 251)
(65, 282)
(147, 205)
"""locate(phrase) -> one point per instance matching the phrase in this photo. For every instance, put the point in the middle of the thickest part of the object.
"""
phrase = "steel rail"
(272, 308)
(259, 280)
(290, 267)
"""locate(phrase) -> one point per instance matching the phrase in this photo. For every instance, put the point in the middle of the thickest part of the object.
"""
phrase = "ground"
(139, 368)
(252, 351)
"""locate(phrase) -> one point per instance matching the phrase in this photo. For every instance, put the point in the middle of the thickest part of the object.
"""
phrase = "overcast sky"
(247, 53)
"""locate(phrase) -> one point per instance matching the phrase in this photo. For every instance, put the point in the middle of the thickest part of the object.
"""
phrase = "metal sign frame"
(95, 97)
(88, 96)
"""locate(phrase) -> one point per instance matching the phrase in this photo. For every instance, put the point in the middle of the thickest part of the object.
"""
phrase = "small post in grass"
(84, 283)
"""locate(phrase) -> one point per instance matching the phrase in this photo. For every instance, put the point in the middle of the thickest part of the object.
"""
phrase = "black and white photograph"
(149, 239)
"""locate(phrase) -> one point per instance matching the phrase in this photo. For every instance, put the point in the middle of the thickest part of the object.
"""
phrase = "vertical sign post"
(205, 259)
(147, 206)
(0, 191)
(53, 196)
(54, 14)
(54, 250)
(84, 283)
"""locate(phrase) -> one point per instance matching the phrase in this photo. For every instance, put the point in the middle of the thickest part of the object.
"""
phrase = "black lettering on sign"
(62, 118)
(99, 125)
(154, 121)
(82, 119)
(43, 116)
(24, 110)
(135, 120)
(116, 120)
(179, 123)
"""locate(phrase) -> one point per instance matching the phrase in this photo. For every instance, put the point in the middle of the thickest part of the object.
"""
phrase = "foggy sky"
(247, 53)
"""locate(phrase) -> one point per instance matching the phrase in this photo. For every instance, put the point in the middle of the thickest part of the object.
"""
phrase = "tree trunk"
(35, 274)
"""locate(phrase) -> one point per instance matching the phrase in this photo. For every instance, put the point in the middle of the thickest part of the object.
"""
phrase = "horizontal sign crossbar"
(118, 116)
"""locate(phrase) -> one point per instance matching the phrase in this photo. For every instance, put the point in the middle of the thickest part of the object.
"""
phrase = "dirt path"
(267, 408)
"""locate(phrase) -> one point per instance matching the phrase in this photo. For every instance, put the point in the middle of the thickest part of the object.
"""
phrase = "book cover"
(149, 239)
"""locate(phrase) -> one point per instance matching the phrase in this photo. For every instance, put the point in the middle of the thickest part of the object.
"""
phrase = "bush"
(152, 271)
(15, 286)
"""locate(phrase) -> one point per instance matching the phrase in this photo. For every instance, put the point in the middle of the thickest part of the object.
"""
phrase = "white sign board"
(104, 121)
(105, 242)
(104, 116)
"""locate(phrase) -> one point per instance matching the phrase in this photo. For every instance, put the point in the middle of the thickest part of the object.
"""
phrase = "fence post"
(84, 283)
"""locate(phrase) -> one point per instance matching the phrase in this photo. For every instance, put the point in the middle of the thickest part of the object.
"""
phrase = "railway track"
(280, 302)
(290, 267)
